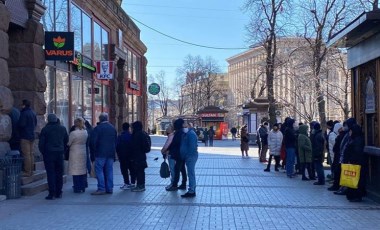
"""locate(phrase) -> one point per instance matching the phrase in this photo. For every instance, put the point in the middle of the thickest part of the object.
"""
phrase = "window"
(87, 103)
(47, 19)
(61, 17)
(104, 45)
(50, 89)
(76, 97)
(97, 41)
(87, 44)
(62, 92)
(76, 27)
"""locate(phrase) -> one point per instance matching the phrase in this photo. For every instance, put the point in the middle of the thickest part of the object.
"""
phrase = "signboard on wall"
(59, 46)
(104, 70)
(133, 87)
(370, 105)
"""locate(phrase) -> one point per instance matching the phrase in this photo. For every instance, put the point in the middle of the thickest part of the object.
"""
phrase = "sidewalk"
(232, 193)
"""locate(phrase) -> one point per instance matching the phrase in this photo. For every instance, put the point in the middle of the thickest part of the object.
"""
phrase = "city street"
(232, 193)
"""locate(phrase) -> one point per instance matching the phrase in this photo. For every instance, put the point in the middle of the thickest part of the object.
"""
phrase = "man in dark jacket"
(318, 145)
(27, 124)
(103, 146)
(123, 150)
(139, 142)
(52, 143)
(263, 134)
(290, 147)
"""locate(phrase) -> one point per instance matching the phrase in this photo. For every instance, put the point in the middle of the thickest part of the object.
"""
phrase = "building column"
(121, 98)
(27, 62)
(6, 98)
(144, 93)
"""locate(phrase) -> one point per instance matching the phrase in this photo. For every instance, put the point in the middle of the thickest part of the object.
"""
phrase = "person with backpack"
(140, 146)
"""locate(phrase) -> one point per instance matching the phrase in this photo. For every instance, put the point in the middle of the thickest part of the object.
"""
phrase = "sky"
(216, 23)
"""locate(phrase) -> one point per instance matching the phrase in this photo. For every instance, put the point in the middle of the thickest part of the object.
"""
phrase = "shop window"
(76, 27)
(62, 92)
(129, 64)
(86, 30)
(61, 16)
(134, 66)
(87, 102)
(104, 45)
(76, 97)
(50, 90)
(97, 99)
(106, 98)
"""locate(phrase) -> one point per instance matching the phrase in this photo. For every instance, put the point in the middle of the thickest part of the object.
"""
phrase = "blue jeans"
(104, 173)
(320, 172)
(290, 160)
(171, 167)
(190, 165)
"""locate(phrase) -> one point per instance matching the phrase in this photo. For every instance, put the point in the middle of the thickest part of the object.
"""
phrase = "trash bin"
(10, 167)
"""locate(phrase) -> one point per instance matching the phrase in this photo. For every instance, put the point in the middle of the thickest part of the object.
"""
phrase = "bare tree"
(263, 28)
(369, 4)
(209, 88)
(164, 94)
(179, 103)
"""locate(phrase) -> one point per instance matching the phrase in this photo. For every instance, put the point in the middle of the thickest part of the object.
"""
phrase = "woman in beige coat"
(77, 158)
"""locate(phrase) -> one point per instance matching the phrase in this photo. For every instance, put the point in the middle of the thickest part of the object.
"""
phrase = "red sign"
(104, 70)
(133, 87)
(211, 115)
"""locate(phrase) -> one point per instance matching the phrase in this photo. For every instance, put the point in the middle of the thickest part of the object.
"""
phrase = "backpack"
(148, 143)
(164, 170)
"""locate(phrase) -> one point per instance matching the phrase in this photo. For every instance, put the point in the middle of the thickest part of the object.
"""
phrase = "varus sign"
(59, 46)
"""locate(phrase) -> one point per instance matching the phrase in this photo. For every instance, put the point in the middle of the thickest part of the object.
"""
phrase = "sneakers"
(125, 187)
(98, 192)
(138, 189)
(188, 195)
(182, 187)
(172, 188)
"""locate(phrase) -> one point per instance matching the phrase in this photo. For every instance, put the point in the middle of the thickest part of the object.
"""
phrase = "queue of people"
(304, 152)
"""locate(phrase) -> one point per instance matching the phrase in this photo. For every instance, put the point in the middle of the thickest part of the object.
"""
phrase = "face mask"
(185, 130)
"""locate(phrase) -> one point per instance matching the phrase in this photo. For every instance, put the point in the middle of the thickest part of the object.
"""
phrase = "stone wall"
(6, 98)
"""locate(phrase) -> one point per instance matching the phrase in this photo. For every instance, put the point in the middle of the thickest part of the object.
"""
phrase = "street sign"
(154, 89)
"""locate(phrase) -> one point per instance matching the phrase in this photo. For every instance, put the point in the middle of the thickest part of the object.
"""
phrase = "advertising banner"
(104, 70)
(59, 46)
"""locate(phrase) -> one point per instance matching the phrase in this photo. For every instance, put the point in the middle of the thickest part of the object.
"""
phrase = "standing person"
(77, 160)
(354, 154)
(263, 134)
(211, 134)
(274, 144)
(205, 136)
(27, 124)
(52, 142)
(331, 142)
(103, 145)
(140, 146)
(14, 142)
(233, 132)
(339, 133)
(244, 141)
(123, 150)
(304, 151)
(174, 150)
(290, 147)
(318, 145)
(166, 153)
(189, 153)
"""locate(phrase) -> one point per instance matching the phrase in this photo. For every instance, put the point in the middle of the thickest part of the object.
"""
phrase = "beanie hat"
(52, 118)
(317, 126)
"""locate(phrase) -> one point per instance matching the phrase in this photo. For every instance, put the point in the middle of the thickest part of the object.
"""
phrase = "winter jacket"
(123, 145)
(103, 141)
(275, 142)
(354, 153)
(77, 157)
(263, 134)
(318, 146)
(304, 145)
(27, 124)
(189, 145)
(290, 138)
(332, 138)
(175, 146)
(53, 138)
(165, 148)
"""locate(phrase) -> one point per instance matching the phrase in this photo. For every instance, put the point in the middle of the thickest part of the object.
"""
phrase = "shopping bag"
(164, 170)
(349, 176)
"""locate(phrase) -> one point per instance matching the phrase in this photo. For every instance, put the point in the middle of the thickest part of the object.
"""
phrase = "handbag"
(350, 175)
(164, 170)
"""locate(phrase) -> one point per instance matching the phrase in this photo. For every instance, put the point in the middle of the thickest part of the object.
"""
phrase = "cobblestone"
(232, 193)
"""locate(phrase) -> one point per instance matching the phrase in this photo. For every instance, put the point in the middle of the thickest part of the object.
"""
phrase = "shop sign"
(95, 91)
(370, 105)
(133, 87)
(78, 62)
(211, 115)
(104, 70)
(154, 89)
(59, 46)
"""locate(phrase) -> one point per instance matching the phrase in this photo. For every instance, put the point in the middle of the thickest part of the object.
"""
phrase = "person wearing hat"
(318, 145)
(52, 143)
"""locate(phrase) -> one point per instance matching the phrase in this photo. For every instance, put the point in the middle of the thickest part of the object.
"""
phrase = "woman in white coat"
(274, 144)
(77, 157)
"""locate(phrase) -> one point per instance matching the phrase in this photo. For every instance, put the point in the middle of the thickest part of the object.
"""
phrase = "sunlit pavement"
(232, 193)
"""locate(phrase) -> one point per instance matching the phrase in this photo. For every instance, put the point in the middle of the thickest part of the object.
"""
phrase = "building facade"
(70, 89)
(293, 81)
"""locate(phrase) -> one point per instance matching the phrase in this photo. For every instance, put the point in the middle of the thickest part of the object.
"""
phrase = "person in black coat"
(354, 154)
(318, 145)
(123, 148)
(290, 147)
(336, 164)
(52, 143)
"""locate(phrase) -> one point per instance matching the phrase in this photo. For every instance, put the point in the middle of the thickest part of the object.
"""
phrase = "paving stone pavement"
(232, 193)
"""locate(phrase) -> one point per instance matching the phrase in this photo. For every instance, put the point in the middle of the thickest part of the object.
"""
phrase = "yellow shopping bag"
(349, 176)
